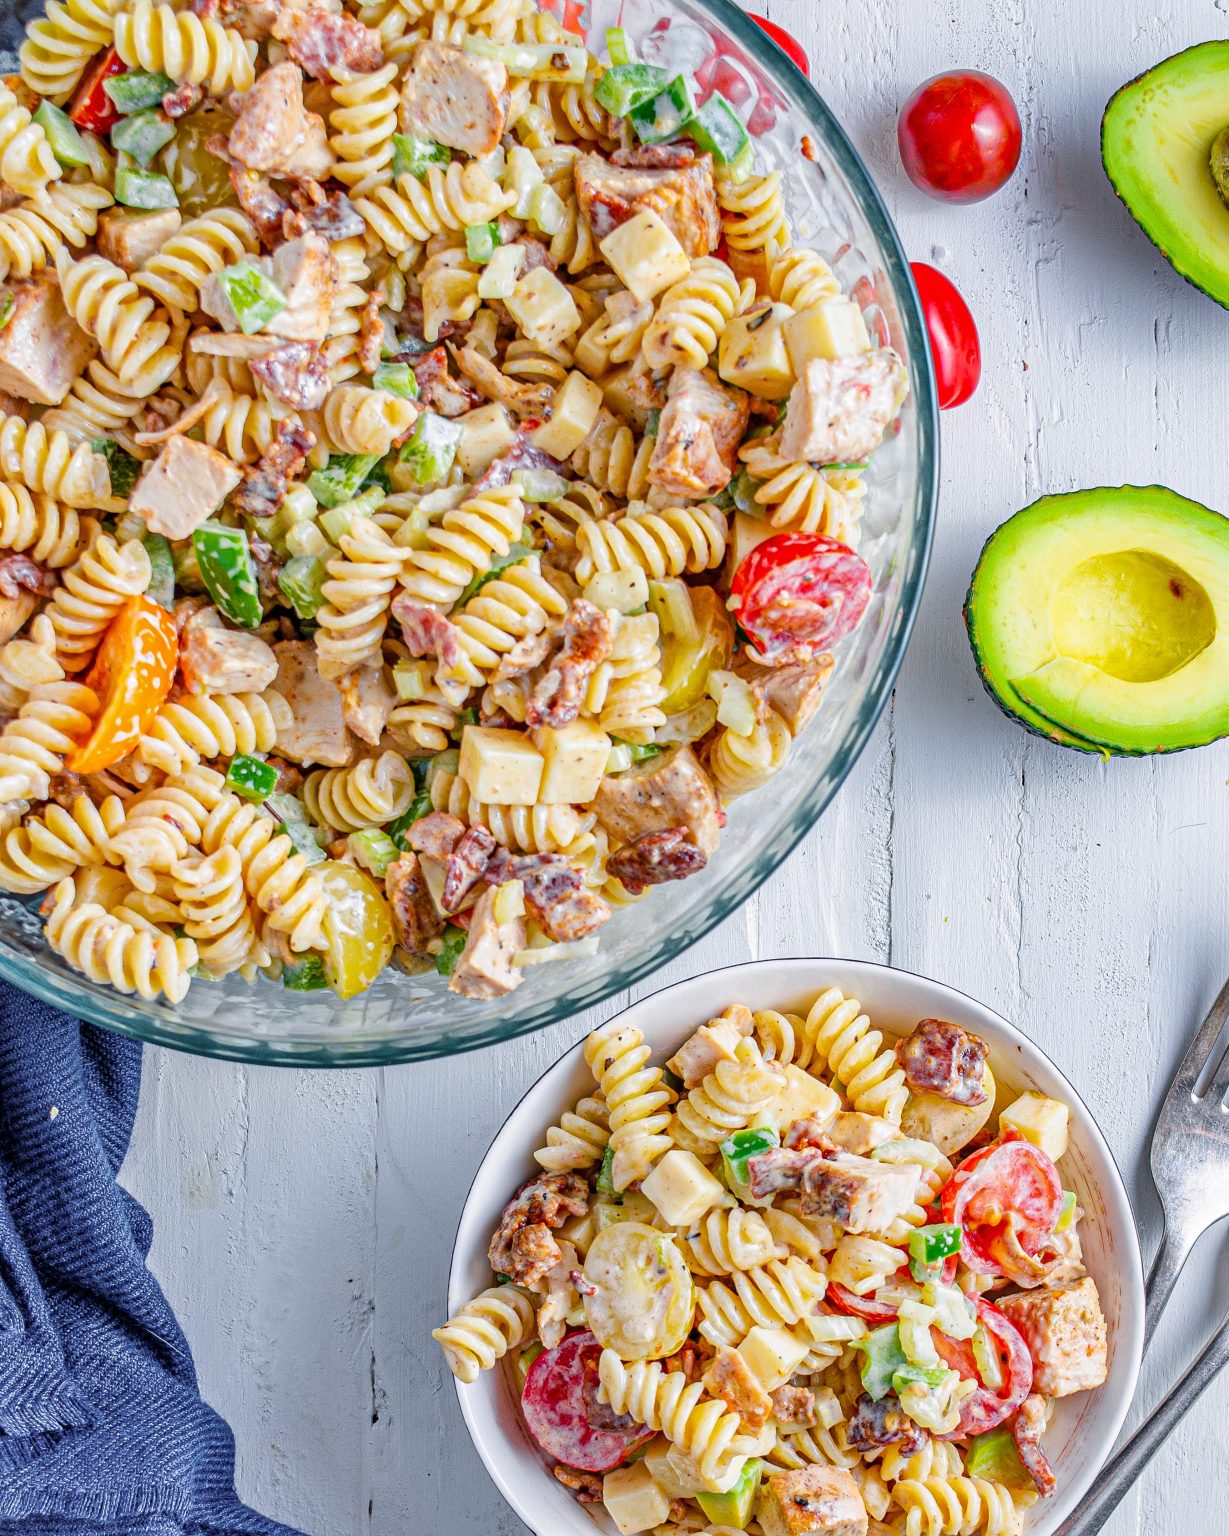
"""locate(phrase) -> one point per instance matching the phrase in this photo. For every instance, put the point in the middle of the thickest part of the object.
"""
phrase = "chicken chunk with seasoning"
(130, 236)
(813, 1501)
(42, 348)
(274, 132)
(215, 659)
(485, 969)
(1064, 1329)
(702, 425)
(841, 408)
(684, 197)
(317, 733)
(665, 792)
(183, 487)
(454, 98)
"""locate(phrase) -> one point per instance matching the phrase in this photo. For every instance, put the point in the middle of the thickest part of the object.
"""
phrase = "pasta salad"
(430, 483)
(798, 1279)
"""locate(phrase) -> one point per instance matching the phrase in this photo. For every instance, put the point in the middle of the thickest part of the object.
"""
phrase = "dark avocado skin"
(1107, 165)
(1060, 736)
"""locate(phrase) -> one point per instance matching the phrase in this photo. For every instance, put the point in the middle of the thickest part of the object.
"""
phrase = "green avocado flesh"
(1157, 138)
(1100, 619)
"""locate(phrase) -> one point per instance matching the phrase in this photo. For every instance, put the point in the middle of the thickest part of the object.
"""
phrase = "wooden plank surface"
(304, 1221)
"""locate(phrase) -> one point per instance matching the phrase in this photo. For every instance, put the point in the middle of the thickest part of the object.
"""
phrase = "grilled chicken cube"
(863, 1196)
(852, 1131)
(368, 698)
(684, 197)
(795, 693)
(484, 968)
(1064, 1328)
(130, 236)
(42, 348)
(317, 733)
(274, 132)
(700, 1054)
(701, 428)
(305, 272)
(454, 98)
(814, 1501)
(182, 487)
(672, 790)
(215, 659)
(732, 1379)
(840, 408)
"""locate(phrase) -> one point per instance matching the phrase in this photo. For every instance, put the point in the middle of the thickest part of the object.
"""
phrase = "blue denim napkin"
(102, 1426)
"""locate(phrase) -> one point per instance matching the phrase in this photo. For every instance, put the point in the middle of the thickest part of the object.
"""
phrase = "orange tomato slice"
(132, 676)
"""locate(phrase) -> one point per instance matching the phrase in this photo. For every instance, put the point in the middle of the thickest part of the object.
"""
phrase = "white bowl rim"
(1114, 1398)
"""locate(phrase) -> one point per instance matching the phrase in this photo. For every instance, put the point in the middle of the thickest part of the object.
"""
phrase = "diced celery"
(915, 1336)
(303, 840)
(667, 115)
(643, 751)
(374, 850)
(187, 568)
(742, 491)
(396, 379)
(547, 209)
(412, 679)
(286, 807)
(302, 581)
(619, 46)
(986, 1353)
(515, 555)
(454, 943)
(420, 806)
(146, 189)
(306, 539)
(605, 1176)
(718, 129)
(431, 448)
(526, 1358)
(620, 759)
(161, 589)
(498, 278)
(7, 305)
(629, 85)
(414, 157)
(251, 777)
(143, 134)
(341, 478)
(481, 241)
(541, 485)
(137, 89)
(225, 560)
(563, 62)
(67, 145)
(255, 298)
(742, 165)
(305, 975)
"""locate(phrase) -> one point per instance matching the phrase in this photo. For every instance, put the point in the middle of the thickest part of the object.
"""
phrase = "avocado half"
(1157, 140)
(1100, 620)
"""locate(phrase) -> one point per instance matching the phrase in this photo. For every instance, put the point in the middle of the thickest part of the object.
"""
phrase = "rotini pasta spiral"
(778, 1294)
(580, 1138)
(210, 891)
(693, 313)
(357, 595)
(53, 463)
(243, 427)
(463, 544)
(667, 543)
(535, 363)
(636, 1096)
(286, 888)
(372, 793)
(47, 846)
(804, 497)
(726, 1240)
(740, 763)
(519, 602)
(361, 420)
(55, 718)
(850, 1048)
(27, 164)
(193, 727)
(521, 828)
(164, 824)
(480, 1334)
(363, 121)
(626, 690)
(134, 335)
(31, 234)
(341, 350)
(449, 291)
(182, 45)
(497, 18)
(99, 404)
(612, 460)
(615, 336)
(861, 1264)
(802, 278)
(813, 1447)
(702, 1427)
(38, 526)
(424, 724)
(410, 211)
(937, 1458)
(26, 663)
(753, 214)
(91, 592)
(728, 1099)
(60, 44)
(197, 251)
(957, 1506)
(106, 948)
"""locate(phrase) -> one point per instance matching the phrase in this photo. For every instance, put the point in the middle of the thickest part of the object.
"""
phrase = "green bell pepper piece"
(374, 850)
(67, 145)
(420, 806)
(884, 1359)
(629, 85)
(736, 1506)
(481, 240)
(286, 807)
(736, 1152)
(928, 1247)
(161, 589)
(302, 581)
(414, 157)
(396, 379)
(454, 943)
(124, 468)
(994, 1456)
(619, 46)
(135, 188)
(910, 1375)
(255, 298)
(431, 447)
(143, 134)
(229, 574)
(251, 777)
(341, 478)
(605, 1176)
(137, 89)
(306, 975)
(303, 840)
(667, 115)
(719, 130)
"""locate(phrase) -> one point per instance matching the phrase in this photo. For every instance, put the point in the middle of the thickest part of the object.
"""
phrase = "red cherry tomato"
(786, 41)
(1009, 1185)
(953, 336)
(564, 1416)
(797, 594)
(986, 1409)
(959, 136)
(866, 1307)
(92, 108)
(132, 676)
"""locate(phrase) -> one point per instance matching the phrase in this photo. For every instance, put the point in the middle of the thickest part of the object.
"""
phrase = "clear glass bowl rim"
(353, 1049)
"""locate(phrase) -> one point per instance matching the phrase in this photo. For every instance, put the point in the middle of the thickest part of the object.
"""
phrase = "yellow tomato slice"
(358, 929)
(643, 1301)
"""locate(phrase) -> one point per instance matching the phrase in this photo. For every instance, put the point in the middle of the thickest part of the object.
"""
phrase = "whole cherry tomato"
(953, 336)
(797, 594)
(959, 136)
(786, 41)
(132, 676)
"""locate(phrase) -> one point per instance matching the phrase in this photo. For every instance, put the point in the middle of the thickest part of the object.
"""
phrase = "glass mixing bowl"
(835, 208)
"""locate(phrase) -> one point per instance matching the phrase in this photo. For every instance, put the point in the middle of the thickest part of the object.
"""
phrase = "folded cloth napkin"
(102, 1427)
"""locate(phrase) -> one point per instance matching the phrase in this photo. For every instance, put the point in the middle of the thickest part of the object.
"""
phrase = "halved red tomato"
(563, 1413)
(91, 106)
(866, 1307)
(1006, 1196)
(986, 1409)
(132, 676)
(796, 594)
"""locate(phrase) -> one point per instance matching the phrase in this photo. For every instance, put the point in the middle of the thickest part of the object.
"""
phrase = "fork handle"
(1121, 1473)
(1175, 1249)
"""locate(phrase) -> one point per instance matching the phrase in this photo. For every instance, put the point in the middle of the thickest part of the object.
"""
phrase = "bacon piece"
(657, 857)
(327, 45)
(371, 333)
(587, 637)
(555, 893)
(415, 919)
(438, 389)
(257, 198)
(587, 1486)
(435, 835)
(654, 157)
(331, 214)
(425, 630)
(794, 1406)
(942, 1058)
(536, 254)
(1027, 1428)
(521, 455)
(523, 1247)
(183, 99)
(295, 373)
(465, 865)
(265, 482)
(808, 1135)
(874, 1424)
(18, 572)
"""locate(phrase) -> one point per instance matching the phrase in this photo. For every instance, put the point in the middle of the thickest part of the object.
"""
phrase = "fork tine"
(1201, 1052)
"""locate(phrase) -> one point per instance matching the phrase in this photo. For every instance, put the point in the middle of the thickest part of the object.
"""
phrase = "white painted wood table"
(304, 1220)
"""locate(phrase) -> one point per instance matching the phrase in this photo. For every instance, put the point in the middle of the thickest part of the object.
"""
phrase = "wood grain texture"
(304, 1221)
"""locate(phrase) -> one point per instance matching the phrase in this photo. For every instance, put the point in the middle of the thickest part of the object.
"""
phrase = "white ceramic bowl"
(1084, 1427)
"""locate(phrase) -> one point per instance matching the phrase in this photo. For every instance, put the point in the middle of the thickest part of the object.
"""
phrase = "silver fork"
(1190, 1167)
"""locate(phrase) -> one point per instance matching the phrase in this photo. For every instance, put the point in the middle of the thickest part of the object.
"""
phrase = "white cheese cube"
(633, 1500)
(624, 591)
(772, 1355)
(748, 533)
(575, 758)
(499, 277)
(753, 353)
(682, 1188)
(645, 255)
(577, 402)
(802, 1097)
(485, 434)
(500, 767)
(1039, 1120)
(665, 1472)
(832, 329)
(543, 308)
